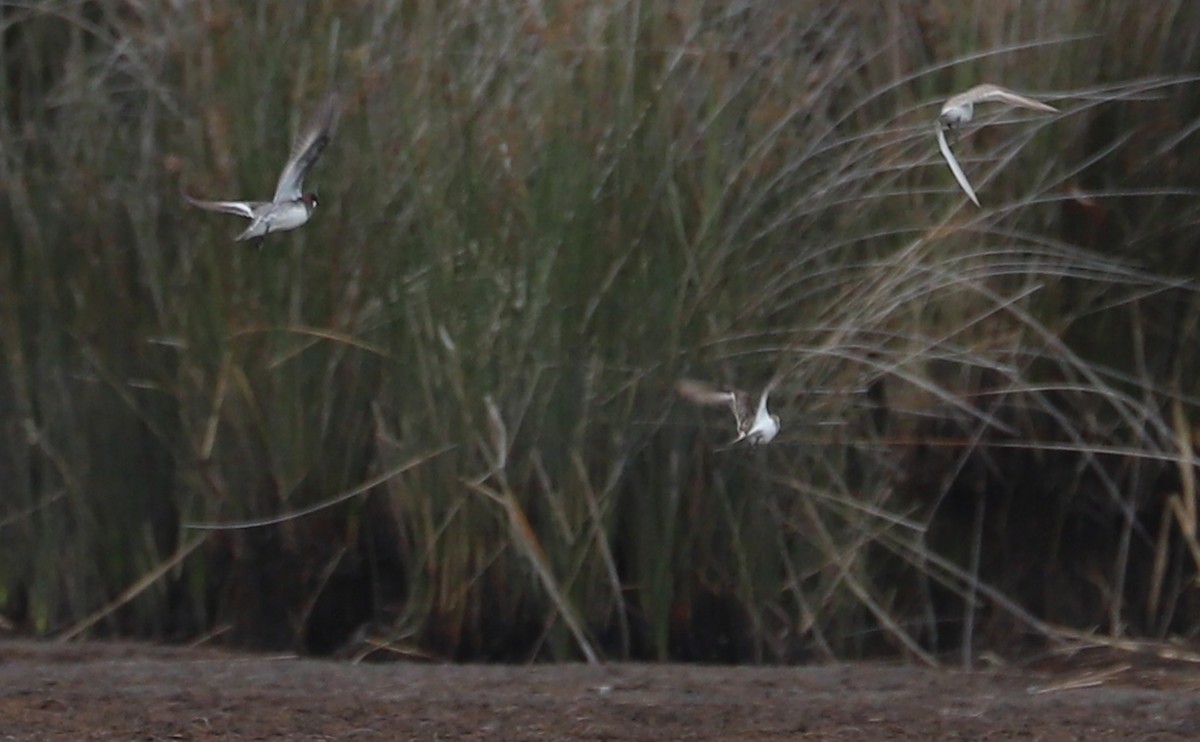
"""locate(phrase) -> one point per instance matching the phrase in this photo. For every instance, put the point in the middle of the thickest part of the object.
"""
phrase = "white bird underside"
(278, 218)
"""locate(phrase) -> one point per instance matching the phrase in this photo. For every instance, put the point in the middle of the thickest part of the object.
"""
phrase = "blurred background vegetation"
(536, 217)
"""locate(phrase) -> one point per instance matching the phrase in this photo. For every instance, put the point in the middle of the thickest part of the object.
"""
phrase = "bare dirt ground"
(133, 691)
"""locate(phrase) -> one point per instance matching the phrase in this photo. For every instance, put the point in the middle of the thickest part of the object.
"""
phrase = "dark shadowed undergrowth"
(439, 419)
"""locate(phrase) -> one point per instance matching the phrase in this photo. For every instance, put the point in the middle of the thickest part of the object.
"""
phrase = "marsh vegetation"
(534, 219)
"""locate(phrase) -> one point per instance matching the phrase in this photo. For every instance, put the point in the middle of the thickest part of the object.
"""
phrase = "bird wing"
(306, 150)
(241, 208)
(959, 175)
(702, 393)
(994, 93)
(762, 400)
(743, 412)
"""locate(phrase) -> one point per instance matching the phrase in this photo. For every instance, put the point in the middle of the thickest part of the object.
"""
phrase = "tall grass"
(439, 419)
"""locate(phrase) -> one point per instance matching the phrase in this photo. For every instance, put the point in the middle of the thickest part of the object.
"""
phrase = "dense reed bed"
(439, 420)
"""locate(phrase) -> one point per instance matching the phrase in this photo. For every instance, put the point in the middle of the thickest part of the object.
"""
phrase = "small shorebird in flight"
(961, 109)
(290, 207)
(755, 425)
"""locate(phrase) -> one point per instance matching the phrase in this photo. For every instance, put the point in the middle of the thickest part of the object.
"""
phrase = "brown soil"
(128, 691)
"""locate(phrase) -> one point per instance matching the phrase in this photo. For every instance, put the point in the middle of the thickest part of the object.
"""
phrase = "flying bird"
(960, 109)
(291, 206)
(755, 425)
